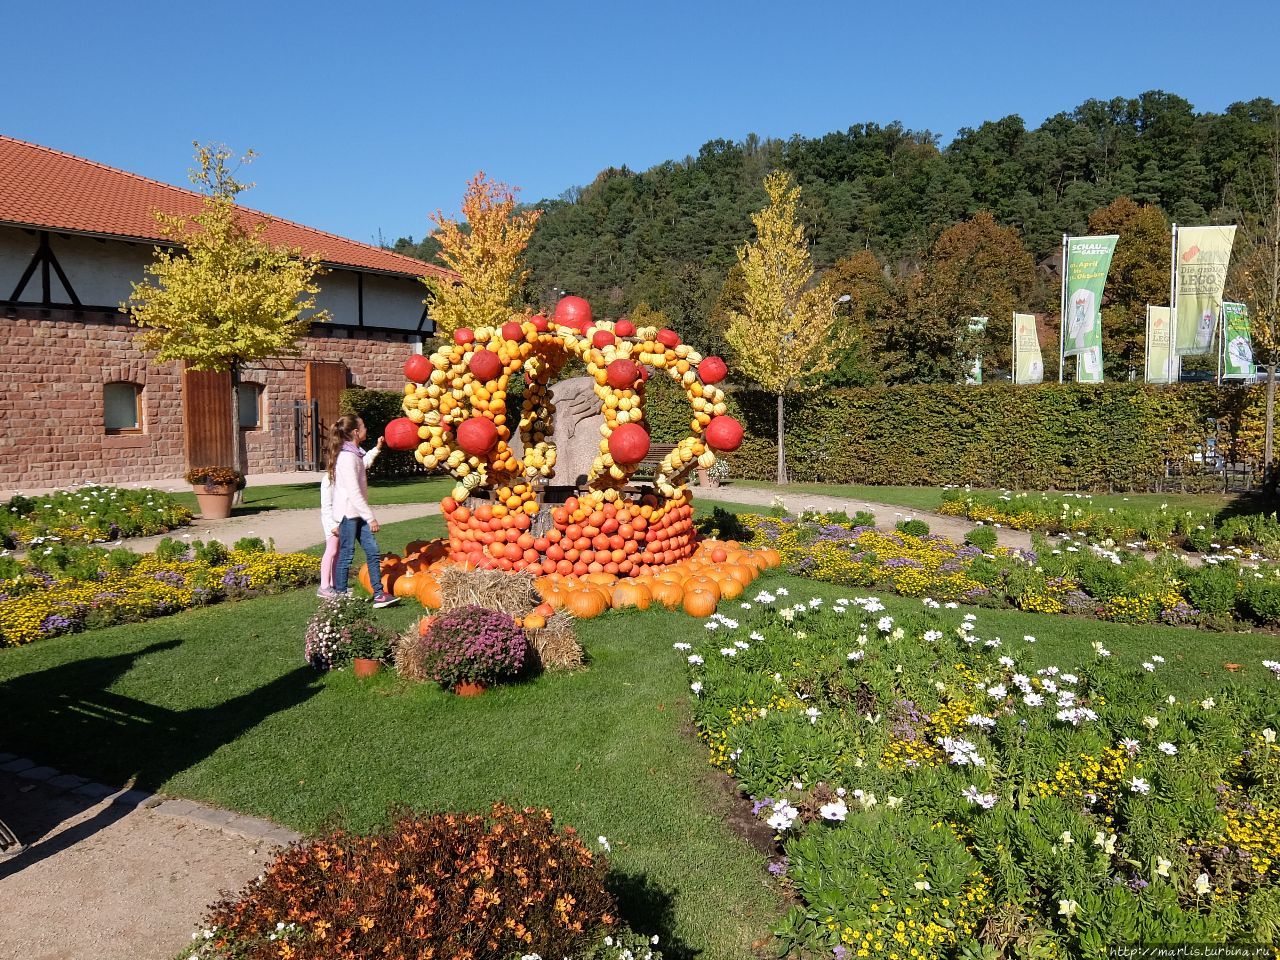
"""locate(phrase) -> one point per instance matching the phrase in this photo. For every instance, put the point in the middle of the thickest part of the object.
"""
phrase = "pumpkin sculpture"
(456, 402)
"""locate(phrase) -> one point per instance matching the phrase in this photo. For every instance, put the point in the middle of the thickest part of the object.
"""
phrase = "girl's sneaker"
(324, 593)
(381, 600)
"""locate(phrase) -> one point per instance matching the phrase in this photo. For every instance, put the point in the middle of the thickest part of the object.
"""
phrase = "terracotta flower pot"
(215, 500)
(469, 689)
(362, 667)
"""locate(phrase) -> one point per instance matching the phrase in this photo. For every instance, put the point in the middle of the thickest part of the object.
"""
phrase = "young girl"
(329, 523)
(355, 519)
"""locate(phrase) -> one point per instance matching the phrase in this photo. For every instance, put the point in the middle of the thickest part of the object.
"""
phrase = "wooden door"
(206, 419)
(325, 382)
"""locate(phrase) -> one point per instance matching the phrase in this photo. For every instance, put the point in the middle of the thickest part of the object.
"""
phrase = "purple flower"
(778, 867)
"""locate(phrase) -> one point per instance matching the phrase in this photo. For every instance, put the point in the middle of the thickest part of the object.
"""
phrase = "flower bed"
(503, 885)
(1070, 577)
(91, 587)
(89, 514)
(1152, 527)
(936, 796)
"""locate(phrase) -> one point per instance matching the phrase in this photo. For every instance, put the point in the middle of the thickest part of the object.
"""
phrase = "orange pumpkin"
(740, 572)
(392, 569)
(584, 603)
(406, 586)
(628, 593)
(700, 603)
(699, 582)
(730, 588)
(534, 621)
(428, 591)
(424, 625)
(667, 593)
(545, 610)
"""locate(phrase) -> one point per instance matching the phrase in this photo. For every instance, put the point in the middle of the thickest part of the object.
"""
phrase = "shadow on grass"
(68, 717)
(649, 909)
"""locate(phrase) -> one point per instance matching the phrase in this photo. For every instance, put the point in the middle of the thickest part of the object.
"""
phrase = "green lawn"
(292, 496)
(216, 705)
(930, 498)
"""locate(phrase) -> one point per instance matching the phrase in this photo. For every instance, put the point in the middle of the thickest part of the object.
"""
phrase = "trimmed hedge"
(377, 408)
(1051, 436)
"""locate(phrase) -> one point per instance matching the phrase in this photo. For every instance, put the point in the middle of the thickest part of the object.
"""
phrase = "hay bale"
(408, 655)
(511, 593)
(555, 645)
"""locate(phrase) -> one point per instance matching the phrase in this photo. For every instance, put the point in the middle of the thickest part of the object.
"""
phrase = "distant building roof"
(51, 190)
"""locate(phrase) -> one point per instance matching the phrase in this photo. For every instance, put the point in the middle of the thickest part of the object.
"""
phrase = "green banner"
(1199, 274)
(1028, 364)
(1085, 276)
(1237, 344)
(1160, 356)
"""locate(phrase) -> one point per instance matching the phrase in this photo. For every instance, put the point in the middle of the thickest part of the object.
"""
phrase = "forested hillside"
(909, 210)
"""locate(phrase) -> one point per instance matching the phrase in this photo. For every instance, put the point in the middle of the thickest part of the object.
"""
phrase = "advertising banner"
(1028, 364)
(1161, 361)
(1084, 275)
(1237, 345)
(977, 326)
(1201, 255)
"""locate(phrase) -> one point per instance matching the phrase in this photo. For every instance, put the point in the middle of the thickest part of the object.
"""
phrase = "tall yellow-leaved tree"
(784, 335)
(486, 255)
(221, 296)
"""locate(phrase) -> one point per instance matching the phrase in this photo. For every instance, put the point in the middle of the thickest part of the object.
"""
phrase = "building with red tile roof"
(85, 403)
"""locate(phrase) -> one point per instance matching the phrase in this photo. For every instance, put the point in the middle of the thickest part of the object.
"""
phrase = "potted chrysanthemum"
(469, 649)
(215, 488)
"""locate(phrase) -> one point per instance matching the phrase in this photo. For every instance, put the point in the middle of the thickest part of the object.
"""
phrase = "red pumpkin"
(622, 374)
(539, 323)
(629, 443)
(512, 331)
(485, 365)
(417, 368)
(624, 328)
(668, 338)
(712, 370)
(573, 312)
(464, 335)
(601, 339)
(477, 435)
(724, 434)
(401, 434)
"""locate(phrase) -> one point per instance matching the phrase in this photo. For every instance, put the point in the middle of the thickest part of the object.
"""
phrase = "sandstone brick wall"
(53, 366)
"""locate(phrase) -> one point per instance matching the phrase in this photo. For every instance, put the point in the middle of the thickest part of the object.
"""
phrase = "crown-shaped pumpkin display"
(456, 417)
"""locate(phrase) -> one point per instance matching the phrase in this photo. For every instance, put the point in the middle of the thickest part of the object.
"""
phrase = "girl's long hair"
(343, 429)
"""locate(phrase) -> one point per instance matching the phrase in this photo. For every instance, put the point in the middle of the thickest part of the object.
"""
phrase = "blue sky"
(369, 116)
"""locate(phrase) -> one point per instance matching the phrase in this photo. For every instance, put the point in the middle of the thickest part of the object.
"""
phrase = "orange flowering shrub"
(477, 886)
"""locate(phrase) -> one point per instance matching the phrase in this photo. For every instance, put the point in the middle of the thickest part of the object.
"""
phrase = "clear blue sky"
(368, 116)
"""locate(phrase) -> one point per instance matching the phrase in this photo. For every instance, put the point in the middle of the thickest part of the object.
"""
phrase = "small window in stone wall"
(122, 407)
(251, 397)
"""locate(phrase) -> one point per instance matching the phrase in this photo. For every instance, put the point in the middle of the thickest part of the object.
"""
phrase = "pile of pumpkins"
(590, 534)
(714, 570)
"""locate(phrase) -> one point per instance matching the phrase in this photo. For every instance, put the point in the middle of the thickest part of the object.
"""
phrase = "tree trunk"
(782, 446)
(237, 461)
(1268, 469)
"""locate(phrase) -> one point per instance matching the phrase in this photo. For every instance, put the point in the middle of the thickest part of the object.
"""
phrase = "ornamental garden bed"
(1228, 590)
(89, 514)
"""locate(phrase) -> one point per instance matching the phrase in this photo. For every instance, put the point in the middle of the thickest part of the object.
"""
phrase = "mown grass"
(294, 496)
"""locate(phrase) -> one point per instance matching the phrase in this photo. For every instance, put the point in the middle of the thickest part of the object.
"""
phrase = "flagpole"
(1146, 353)
(1062, 314)
(1014, 352)
(1221, 332)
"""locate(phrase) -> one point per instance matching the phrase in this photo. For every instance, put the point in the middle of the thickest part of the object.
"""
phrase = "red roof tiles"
(51, 190)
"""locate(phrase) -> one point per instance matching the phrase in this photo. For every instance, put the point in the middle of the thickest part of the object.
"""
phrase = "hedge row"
(1047, 437)
(1052, 436)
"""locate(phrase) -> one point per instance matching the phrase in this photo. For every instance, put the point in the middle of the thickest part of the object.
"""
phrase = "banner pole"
(1221, 333)
(1175, 359)
(1146, 353)
(1013, 352)
(1062, 314)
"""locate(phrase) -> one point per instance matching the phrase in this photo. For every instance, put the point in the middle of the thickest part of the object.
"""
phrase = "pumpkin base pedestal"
(215, 500)
(469, 689)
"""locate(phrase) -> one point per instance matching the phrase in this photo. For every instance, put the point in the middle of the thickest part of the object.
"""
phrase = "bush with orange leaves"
(480, 886)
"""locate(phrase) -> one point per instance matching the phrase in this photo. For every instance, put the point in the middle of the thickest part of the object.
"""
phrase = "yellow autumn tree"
(220, 296)
(485, 254)
(784, 335)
